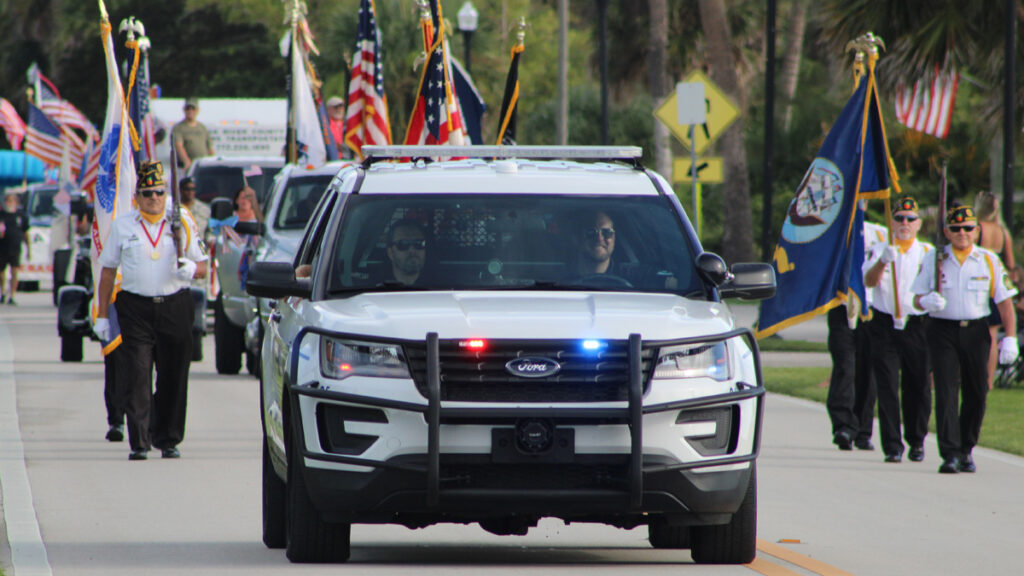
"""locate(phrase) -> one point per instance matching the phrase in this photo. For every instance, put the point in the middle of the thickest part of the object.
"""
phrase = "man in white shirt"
(958, 335)
(897, 331)
(154, 311)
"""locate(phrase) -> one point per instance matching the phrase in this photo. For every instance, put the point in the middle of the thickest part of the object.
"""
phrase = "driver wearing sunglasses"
(407, 251)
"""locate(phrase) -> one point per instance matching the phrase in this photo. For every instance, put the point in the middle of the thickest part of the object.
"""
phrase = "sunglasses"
(593, 234)
(955, 229)
(406, 244)
(149, 193)
(901, 219)
(188, 188)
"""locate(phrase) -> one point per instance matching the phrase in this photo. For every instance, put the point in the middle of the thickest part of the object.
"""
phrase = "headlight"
(343, 358)
(694, 361)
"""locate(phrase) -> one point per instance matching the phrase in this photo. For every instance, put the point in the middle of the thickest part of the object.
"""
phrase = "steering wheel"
(602, 281)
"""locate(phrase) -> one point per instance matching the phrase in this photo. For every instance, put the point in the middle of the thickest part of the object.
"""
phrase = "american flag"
(44, 139)
(12, 124)
(928, 107)
(436, 118)
(366, 118)
(57, 108)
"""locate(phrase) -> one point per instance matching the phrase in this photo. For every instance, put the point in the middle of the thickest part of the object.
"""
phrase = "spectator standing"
(897, 334)
(336, 121)
(958, 335)
(13, 233)
(155, 312)
(199, 210)
(993, 235)
(190, 138)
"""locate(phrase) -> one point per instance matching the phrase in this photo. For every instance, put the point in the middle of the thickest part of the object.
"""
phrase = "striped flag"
(436, 118)
(43, 139)
(12, 124)
(510, 100)
(366, 118)
(60, 110)
(928, 107)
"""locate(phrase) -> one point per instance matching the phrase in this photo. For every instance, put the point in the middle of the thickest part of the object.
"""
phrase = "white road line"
(28, 553)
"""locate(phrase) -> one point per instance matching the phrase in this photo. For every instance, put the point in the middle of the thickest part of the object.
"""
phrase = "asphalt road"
(74, 505)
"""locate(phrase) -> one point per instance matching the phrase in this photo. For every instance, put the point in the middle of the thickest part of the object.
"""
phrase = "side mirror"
(712, 268)
(276, 280)
(251, 228)
(80, 205)
(221, 208)
(750, 281)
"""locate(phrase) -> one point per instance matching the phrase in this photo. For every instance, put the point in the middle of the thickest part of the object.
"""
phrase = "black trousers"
(959, 354)
(155, 332)
(851, 390)
(900, 366)
(115, 407)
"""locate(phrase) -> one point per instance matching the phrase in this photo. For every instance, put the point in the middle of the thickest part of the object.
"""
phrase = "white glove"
(932, 302)
(187, 269)
(1008, 350)
(888, 255)
(101, 329)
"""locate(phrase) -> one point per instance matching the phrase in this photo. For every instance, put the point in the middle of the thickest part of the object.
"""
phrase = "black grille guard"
(633, 413)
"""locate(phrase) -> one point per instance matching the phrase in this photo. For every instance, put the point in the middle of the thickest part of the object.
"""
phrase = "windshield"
(489, 241)
(298, 201)
(40, 208)
(224, 181)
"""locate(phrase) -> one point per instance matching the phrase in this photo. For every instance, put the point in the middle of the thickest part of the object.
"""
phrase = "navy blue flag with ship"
(820, 252)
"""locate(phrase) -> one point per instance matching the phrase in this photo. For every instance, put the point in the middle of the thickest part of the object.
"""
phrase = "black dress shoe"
(967, 464)
(170, 453)
(916, 453)
(138, 455)
(895, 457)
(950, 466)
(115, 434)
(843, 440)
(863, 444)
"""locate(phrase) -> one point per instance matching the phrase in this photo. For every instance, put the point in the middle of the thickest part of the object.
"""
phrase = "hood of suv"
(522, 315)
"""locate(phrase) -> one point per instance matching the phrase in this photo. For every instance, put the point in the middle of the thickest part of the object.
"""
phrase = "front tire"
(310, 538)
(71, 348)
(665, 536)
(227, 341)
(274, 511)
(732, 543)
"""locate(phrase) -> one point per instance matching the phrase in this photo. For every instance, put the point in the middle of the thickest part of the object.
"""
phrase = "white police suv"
(511, 334)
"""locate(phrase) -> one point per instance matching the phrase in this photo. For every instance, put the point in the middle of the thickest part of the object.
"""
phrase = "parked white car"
(529, 332)
(290, 202)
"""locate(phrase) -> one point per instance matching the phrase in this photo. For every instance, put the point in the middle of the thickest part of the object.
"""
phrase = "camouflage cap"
(960, 216)
(150, 175)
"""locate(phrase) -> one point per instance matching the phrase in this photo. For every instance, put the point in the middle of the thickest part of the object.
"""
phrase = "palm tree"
(738, 235)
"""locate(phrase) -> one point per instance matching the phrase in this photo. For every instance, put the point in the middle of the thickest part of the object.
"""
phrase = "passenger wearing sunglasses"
(154, 313)
(897, 331)
(958, 335)
(407, 252)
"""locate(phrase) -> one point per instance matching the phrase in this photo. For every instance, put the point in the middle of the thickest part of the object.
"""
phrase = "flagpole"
(24, 153)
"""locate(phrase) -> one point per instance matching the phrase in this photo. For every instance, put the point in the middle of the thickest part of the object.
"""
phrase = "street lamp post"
(468, 17)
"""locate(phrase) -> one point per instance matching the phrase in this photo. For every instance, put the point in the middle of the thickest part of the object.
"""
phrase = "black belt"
(961, 323)
(154, 299)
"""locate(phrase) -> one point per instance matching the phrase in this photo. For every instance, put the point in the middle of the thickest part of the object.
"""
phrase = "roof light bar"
(545, 152)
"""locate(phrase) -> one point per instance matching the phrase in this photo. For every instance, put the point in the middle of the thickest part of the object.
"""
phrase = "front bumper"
(462, 472)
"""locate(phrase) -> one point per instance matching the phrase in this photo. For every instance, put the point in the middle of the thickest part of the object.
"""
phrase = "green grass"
(1001, 429)
(780, 345)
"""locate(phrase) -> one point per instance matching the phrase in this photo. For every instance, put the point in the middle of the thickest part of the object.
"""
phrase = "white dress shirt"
(908, 265)
(131, 245)
(966, 287)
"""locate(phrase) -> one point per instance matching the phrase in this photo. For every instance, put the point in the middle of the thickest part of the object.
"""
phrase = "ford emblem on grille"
(533, 367)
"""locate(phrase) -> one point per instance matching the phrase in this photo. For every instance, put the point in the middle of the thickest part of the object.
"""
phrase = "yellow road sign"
(709, 170)
(721, 113)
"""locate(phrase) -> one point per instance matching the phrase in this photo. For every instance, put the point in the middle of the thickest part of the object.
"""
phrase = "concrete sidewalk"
(813, 330)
